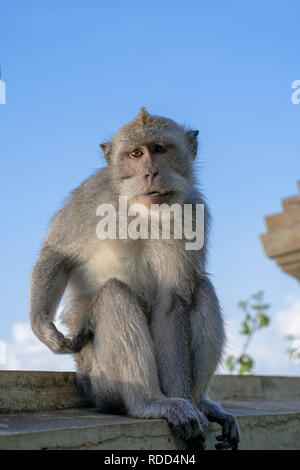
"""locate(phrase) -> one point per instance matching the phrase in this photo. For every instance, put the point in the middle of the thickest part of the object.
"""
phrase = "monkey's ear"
(106, 148)
(192, 138)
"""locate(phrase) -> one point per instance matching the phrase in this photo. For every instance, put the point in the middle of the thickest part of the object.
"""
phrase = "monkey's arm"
(49, 279)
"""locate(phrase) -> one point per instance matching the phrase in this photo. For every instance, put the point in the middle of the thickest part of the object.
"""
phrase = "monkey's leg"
(124, 366)
(171, 330)
(207, 345)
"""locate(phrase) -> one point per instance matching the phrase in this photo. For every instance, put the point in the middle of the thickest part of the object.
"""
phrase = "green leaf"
(263, 320)
(256, 307)
(290, 337)
(243, 371)
(258, 296)
(230, 363)
(247, 330)
(242, 304)
(246, 362)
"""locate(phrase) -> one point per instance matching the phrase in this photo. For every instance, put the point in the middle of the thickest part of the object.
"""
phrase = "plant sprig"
(255, 311)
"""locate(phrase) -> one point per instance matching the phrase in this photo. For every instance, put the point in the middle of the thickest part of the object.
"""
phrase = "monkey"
(145, 325)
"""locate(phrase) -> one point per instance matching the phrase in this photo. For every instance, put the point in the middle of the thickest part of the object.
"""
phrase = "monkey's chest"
(127, 263)
(147, 269)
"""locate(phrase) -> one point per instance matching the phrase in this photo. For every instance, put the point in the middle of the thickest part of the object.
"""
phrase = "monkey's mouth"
(154, 197)
(157, 193)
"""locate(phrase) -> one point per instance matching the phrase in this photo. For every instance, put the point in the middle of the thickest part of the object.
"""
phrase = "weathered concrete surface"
(263, 425)
(282, 240)
(45, 410)
(237, 387)
(33, 391)
(38, 390)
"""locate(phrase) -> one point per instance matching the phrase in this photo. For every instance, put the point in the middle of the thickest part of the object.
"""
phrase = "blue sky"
(76, 71)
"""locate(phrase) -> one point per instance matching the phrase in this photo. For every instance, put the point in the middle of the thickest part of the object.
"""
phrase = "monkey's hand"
(229, 438)
(57, 342)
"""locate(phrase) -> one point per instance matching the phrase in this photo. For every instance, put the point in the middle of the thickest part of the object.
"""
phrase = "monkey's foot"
(230, 437)
(57, 342)
(80, 340)
(188, 422)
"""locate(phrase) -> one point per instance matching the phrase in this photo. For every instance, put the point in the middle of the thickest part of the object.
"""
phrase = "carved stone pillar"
(282, 240)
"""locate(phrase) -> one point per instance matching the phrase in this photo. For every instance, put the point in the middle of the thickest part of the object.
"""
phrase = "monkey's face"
(152, 173)
(151, 160)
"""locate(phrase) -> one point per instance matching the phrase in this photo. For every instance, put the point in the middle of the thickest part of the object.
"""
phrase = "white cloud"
(26, 352)
(269, 345)
(287, 321)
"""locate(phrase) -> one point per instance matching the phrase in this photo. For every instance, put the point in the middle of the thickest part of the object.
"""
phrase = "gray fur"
(145, 323)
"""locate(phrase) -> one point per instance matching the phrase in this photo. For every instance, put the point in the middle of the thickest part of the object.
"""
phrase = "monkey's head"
(151, 159)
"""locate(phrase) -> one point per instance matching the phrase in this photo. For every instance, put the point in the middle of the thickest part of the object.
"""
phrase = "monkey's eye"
(136, 153)
(159, 149)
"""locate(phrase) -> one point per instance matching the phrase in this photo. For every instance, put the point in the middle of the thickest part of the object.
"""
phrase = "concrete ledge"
(248, 387)
(45, 410)
(35, 390)
(275, 426)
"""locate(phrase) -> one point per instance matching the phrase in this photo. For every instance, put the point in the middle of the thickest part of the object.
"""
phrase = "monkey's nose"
(150, 175)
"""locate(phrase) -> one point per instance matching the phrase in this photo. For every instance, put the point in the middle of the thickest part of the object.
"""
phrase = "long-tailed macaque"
(145, 325)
